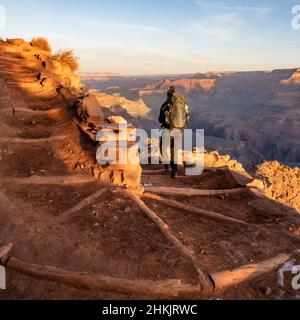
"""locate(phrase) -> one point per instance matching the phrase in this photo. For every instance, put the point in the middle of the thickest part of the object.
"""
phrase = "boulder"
(114, 154)
(90, 111)
(281, 182)
(121, 178)
(107, 136)
(116, 119)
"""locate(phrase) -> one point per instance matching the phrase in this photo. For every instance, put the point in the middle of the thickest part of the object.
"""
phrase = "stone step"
(121, 178)
(118, 155)
(107, 136)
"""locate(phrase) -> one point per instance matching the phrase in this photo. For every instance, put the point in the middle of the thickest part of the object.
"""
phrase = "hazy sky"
(162, 36)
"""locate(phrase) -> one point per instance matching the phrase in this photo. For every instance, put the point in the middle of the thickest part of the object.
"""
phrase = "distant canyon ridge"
(251, 116)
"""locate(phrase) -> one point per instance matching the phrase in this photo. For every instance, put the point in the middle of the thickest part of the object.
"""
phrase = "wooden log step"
(33, 141)
(31, 112)
(249, 272)
(193, 192)
(172, 288)
(202, 212)
(154, 172)
(82, 204)
(164, 289)
(5, 253)
(60, 180)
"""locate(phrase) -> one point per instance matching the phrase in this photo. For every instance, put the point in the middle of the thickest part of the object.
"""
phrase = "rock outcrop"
(215, 160)
(117, 156)
(278, 182)
(135, 109)
(281, 183)
(293, 80)
(35, 71)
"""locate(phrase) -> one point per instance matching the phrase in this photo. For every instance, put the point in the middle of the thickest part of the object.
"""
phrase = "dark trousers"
(174, 167)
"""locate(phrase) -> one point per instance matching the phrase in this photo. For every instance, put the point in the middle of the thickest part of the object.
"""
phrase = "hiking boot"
(174, 174)
(168, 168)
(174, 169)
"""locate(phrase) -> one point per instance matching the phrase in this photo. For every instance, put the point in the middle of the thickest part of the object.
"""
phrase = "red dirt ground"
(113, 237)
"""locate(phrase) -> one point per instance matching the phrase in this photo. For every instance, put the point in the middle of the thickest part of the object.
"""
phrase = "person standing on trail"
(163, 120)
(174, 118)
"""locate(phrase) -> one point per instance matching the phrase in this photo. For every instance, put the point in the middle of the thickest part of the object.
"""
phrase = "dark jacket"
(165, 108)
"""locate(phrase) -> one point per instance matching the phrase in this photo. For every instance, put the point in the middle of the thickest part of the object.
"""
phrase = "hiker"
(174, 118)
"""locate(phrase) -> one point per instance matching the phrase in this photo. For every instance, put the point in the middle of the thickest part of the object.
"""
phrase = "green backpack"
(179, 115)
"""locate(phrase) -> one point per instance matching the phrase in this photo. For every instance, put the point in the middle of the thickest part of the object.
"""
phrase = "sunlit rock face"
(187, 86)
(136, 109)
(293, 80)
(282, 183)
(35, 71)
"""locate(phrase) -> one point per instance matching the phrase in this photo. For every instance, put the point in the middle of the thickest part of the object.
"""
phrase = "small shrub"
(41, 43)
(67, 57)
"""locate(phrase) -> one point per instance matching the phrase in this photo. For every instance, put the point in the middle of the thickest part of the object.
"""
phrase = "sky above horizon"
(137, 37)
